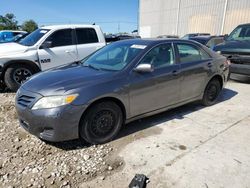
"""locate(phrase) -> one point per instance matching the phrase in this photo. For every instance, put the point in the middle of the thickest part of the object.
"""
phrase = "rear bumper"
(240, 69)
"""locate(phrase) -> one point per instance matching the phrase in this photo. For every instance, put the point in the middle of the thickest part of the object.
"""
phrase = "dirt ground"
(26, 161)
(190, 146)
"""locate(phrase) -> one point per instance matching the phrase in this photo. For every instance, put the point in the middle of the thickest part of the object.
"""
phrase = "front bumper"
(55, 125)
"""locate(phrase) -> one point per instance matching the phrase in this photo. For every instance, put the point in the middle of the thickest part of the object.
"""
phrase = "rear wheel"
(101, 123)
(16, 74)
(212, 92)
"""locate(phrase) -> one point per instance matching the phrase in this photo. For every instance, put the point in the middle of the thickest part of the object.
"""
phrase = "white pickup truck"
(46, 48)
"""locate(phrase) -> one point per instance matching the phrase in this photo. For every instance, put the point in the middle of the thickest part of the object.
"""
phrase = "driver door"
(62, 50)
(151, 91)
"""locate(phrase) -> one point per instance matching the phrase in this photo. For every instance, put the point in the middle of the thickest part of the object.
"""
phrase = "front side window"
(34, 37)
(114, 57)
(190, 53)
(160, 56)
(86, 35)
(61, 38)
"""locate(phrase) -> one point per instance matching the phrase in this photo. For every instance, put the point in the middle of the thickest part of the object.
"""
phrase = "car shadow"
(145, 123)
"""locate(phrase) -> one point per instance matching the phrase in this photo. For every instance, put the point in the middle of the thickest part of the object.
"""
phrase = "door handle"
(69, 51)
(209, 65)
(175, 73)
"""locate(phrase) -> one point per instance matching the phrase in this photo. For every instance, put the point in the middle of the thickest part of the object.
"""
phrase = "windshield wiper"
(91, 66)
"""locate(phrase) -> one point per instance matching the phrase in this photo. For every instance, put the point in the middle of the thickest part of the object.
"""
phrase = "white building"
(179, 17)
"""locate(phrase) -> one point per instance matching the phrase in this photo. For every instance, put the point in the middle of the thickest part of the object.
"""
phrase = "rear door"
(62, 51)
(87, 42)
(196, 65)
(158, 89)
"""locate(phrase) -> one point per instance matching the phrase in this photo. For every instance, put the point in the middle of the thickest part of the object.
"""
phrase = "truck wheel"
(16, 74)
(101, 123)
(212, 92)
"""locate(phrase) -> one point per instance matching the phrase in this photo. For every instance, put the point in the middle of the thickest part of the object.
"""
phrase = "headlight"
(54, 101)
(219, 52)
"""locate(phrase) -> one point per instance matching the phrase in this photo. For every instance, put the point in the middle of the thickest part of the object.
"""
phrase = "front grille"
(25, 100)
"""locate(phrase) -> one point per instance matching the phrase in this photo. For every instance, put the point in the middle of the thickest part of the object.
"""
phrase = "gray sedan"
(119, 83)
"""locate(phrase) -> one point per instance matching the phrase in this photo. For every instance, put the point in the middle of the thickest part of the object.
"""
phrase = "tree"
(8, 22)
(29, 26)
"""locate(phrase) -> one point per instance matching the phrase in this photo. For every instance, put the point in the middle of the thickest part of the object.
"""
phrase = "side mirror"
(46, 44)
(141, 68)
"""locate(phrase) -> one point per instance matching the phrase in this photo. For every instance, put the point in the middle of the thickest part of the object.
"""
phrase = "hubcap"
(21, 74)
(103, 123)
(212, 92)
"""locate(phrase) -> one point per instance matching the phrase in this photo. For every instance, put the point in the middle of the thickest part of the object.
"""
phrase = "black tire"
(101, 123)
(2, 87)
(16, 74)
(212, 92)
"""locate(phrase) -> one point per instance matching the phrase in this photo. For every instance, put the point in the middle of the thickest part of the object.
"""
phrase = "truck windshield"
(32, 38)
(240, 33)
(113, 57)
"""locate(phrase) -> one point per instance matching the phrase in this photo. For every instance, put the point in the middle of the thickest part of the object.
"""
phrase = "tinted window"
(61, 38)
(240, 33)
(189, 53)
(160, 56)
(86, 35)
(32, 38)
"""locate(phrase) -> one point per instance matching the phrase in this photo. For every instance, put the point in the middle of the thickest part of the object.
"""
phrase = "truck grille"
(25, 100)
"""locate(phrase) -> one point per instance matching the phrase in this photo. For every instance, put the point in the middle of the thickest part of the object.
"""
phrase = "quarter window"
(189, 53)
(86, 35)
(160, 56)
(61, 38)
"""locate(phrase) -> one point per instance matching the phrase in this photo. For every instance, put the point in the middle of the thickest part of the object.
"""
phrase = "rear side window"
(61, 38)
(86, 35)
(190, 53)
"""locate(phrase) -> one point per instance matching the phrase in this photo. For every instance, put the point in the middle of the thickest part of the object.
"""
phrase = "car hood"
(65, 79)
(233, 46)
(11, 49)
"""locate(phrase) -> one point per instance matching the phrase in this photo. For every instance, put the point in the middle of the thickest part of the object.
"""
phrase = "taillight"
(227, 63)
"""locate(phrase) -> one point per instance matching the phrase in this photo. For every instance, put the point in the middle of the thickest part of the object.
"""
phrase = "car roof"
(245, 24)
(52, 27)
(154, 41)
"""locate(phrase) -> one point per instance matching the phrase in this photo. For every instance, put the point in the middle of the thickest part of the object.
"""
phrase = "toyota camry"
(117, 84)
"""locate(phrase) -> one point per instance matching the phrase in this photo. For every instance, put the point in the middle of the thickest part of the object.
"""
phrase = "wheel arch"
(218, 77)
(113, 99)
(24, 62)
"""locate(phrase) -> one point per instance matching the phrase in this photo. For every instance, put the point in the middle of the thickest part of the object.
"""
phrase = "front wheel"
(16, 74)
(211, 93)
(101, 123)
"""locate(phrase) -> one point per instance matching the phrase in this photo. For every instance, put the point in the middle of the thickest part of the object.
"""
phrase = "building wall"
(161, 17)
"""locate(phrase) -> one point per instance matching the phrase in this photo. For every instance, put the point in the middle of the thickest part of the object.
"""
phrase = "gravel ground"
(26, 161)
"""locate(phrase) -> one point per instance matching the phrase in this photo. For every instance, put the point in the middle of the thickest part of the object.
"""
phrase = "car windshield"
(114, 57)
(240, 33)
(32, 38)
